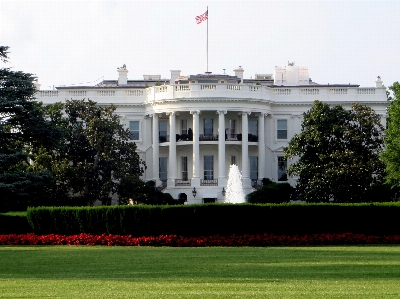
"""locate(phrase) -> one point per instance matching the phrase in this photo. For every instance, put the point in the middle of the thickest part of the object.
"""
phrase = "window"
(281, 128)
(184, 126)
(208, 127)
(134, 130)
(184, 169)
(253, 168)
(253, 127)
(163, 168)
(232, 129)
(282, 166)
(233, 160)
(162, 130)
(208, 167)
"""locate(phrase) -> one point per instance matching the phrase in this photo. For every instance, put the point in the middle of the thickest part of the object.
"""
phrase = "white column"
(172, 150)
(221, 149)
(156, 150)
(195, 182)
(261, 146)
(245, 150)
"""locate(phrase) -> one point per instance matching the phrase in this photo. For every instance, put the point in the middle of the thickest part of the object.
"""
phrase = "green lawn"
(148, 272)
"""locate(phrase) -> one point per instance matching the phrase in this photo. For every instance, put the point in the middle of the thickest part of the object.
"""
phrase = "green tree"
(391, 153)
(337, 154)
(97, 154)
(23, 130)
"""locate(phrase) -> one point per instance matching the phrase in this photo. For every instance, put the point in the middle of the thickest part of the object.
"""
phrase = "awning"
(210, 195)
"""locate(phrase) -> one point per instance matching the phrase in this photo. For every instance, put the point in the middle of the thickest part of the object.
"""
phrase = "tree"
(391, 153)
(23, 129)
(97, 154)
(338, 154)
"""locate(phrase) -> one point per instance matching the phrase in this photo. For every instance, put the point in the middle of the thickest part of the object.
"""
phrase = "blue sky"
(74, 42)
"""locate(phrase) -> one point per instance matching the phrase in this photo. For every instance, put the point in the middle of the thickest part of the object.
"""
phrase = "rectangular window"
(163, 168)
(208, 127)
(281, 128)
(233, 160)
(208, 167)
(184, 126)
(184, 169)
(282, 166)
(253, 127)
(253, 168)
(232, 130)
(134, 130)
(162, 130)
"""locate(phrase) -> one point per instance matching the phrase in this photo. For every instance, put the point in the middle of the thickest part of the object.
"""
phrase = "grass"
(153, 272)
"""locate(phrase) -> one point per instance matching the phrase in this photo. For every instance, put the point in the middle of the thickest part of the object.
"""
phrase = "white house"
(190, 129)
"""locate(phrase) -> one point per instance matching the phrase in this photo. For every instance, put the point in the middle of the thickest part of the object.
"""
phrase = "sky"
(83, 42)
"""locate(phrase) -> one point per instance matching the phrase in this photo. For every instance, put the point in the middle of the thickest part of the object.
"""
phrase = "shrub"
(271, 192)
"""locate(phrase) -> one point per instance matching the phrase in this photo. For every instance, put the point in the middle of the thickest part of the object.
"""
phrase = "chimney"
(174, 75)
(239, 73)
(37, 84)
(378, 82)
(122, 75)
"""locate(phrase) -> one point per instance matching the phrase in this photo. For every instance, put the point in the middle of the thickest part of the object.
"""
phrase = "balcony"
(179, 182)
(210, 137)
(208, 182)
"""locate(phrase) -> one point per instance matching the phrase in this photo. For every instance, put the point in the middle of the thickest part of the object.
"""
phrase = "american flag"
(202, 17)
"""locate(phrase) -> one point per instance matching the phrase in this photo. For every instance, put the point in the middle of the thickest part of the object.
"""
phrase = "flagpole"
(207, 38)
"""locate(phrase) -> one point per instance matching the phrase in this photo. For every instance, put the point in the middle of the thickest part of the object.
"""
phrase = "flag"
(202, 17)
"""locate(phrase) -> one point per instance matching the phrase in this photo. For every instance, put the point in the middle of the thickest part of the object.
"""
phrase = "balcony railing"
(211, 137)
(239, 137)
(179, 182)
(208, 182)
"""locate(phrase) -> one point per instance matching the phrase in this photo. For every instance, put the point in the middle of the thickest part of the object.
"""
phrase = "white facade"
(208, 115)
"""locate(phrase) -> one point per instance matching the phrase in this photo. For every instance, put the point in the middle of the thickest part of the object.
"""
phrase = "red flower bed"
(181, 241)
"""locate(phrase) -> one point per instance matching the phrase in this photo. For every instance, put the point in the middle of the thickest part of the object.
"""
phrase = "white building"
(189, 129)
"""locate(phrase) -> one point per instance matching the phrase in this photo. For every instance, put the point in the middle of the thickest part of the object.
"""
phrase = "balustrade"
(134, 93)
(337, 91)
(282, 91)
(366, 91)
(179, 182)
(208, 182)
(48, 93)
(77, 93)
(309, 91)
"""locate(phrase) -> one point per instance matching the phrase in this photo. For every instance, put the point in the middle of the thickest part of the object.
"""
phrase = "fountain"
(234, 189)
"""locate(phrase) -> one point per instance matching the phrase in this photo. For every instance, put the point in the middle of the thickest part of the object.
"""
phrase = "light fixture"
(223, 191)
(194, 192)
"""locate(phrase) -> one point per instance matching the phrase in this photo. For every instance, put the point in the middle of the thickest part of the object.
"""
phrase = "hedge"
(222, 219)
(14, 223)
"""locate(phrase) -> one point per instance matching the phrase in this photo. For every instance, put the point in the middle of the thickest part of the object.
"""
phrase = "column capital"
(172, 113)
(221, 111)
(152, 114)
(244, 112)
(195, 112)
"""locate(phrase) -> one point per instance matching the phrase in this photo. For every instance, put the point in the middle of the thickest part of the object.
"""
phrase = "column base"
(195, 182)
(170, 183)
(246, 182)
(222, 182)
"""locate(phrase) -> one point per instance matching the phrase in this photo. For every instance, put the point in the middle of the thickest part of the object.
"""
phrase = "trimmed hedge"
(14, 223)
(222, 219)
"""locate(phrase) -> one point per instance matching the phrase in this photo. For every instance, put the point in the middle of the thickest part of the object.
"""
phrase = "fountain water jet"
(234, 188)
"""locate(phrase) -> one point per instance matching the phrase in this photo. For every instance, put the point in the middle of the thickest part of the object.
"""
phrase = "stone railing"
(196, 91)
(179, 182)
(208, 182)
